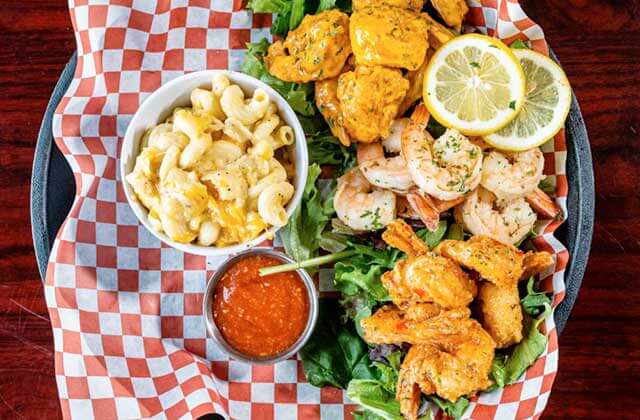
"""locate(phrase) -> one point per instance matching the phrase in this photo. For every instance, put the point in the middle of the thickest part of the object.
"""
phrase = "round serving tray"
(53, 191)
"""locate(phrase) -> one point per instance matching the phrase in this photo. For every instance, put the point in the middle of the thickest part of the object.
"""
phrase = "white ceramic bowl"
(157, 107)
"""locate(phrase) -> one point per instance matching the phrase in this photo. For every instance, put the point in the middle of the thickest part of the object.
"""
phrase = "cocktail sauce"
(260, 316)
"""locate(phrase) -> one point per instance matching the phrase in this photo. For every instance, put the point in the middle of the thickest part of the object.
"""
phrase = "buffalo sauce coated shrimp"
(360, 206)
(446, 168)
(316, 50)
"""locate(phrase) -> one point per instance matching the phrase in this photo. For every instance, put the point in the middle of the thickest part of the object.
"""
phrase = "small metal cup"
(215, 333)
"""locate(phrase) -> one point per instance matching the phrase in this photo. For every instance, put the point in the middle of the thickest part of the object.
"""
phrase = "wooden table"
(598, 43)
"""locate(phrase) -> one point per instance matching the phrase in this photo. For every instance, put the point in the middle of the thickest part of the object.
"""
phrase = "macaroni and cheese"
(218, 172)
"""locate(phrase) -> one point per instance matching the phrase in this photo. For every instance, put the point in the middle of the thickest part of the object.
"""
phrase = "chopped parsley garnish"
(512, 105)
(375, 223)
(474, 65)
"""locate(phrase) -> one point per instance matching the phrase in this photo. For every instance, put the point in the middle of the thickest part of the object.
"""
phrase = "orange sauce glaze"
(260, 316)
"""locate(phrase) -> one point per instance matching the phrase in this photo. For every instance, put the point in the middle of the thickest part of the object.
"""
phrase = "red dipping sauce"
(260, 316)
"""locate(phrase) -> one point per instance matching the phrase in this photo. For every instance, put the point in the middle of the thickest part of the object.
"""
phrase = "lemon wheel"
(475, 84)
(545, 108)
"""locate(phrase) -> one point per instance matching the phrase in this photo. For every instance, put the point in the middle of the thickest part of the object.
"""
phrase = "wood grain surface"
(598, 43)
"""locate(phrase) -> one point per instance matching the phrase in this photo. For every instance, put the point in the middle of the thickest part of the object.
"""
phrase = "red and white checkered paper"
(130, 339)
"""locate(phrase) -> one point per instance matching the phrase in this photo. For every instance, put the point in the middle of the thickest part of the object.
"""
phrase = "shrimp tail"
(408, 394)
(423, 206)
(420, 116)
(429, 208)
(400, 235)
(543, 204)
(535, 262)
(444, 205)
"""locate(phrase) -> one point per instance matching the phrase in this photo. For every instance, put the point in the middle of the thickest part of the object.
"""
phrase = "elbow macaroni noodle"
(216, 173)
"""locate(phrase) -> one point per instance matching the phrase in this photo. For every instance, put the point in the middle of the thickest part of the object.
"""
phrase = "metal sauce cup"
(215, 333)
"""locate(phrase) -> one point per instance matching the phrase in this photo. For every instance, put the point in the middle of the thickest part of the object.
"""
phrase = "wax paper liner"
(129, 337)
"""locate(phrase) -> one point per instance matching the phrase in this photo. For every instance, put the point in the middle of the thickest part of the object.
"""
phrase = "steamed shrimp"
(512, 175)
(429, 208)
(360, 206)
(446, 168)
(507, 222)
(390, 173)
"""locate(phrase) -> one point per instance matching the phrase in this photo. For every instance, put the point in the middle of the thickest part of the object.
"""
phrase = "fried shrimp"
(400, 235)
(500, 264)
(360, 206)
(500, 313)
(446, 168)
(424, 276)
(508, 222)
(512, 175)
(391, 325)
(448, 370)
(316, 50)
(389, 173)
(451, 354)
(429, 278)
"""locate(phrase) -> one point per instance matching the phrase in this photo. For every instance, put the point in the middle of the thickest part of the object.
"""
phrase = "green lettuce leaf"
(453, 409)
(455, 232)
(363, 414)
(325, 149)
(374, 398)
(528, 350)
(302, 233)
(269, 6)
(282, 9)
(433, 238)
(534, 303)
(547, 186)
(281, 23)
(289, 13)
(435, 128)
(344, 5)
(297, 13)
(358, 278)
(334, 354)
(507, 369)
(498, 373)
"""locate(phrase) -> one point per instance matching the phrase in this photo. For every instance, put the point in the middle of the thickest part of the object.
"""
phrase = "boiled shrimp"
(483, 214)
(512, 175)
(392, 143)
(360, 206)
(390, 173)
(446, 168)
(428, 208)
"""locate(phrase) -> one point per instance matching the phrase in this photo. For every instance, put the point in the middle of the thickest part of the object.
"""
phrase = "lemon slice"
(474, 83)
(545, 107)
